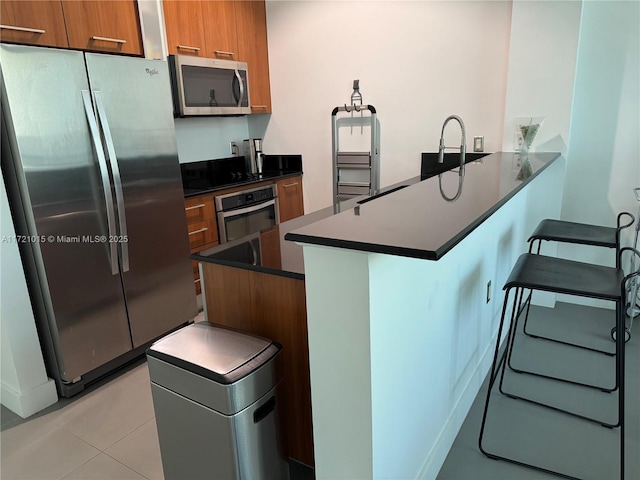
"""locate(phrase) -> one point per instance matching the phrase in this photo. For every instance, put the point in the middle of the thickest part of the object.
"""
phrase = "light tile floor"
(109, 432)
(106, 432)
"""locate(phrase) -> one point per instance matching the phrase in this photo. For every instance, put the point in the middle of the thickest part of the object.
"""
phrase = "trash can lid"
(210, 350)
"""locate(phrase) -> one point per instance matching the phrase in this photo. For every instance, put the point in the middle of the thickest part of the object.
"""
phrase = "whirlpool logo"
(151, 71)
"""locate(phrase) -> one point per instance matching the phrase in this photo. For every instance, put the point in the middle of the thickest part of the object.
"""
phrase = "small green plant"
(529, 133)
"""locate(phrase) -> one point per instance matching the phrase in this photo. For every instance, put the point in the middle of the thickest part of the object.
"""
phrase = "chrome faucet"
(463, 142)
(463, 153)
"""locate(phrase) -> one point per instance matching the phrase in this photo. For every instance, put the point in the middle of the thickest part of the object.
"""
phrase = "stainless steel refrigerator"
(90, 162)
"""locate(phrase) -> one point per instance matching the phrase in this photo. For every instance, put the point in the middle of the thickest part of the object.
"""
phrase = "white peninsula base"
(399, 346)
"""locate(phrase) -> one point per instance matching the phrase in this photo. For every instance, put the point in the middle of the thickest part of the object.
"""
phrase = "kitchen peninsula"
(399, 313)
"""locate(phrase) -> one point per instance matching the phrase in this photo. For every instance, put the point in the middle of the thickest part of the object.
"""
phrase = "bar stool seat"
(578, 233)
(551, 274)
(558, 275)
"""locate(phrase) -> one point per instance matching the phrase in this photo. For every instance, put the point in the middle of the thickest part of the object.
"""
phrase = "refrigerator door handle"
(117, 180)
(104, 173)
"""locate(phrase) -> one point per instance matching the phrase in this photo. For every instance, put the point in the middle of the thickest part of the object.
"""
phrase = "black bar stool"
(550, 274)
(580, 234)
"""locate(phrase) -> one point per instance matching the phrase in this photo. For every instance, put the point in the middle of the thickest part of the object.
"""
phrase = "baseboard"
(588, 302)
(438, 454)
(26, 404)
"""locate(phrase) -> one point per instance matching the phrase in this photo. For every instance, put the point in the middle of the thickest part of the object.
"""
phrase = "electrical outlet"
(488, 291)
(518, 141)
(233, 146)
(478, 144)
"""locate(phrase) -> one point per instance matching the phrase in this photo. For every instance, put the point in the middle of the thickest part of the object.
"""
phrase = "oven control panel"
(245, 198)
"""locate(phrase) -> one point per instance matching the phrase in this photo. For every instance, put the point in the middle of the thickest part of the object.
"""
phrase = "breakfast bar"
(386, 310)
(403, 297)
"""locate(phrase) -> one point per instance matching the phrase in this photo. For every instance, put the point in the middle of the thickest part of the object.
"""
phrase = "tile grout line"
(131, 433)
(126, 466)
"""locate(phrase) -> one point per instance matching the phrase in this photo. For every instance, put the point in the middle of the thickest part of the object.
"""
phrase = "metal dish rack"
(354, 161)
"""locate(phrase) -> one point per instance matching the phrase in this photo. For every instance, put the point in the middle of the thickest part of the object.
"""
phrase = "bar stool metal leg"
(561, 276)
(526, 307)
(499, 365)
(513, 330)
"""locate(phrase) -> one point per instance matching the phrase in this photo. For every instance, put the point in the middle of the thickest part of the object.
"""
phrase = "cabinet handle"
(187, 47)
(222, 52)
(202, 205)
(107, 39)
(290, 185)
(22, 29)
(199, 231)
(261, 107)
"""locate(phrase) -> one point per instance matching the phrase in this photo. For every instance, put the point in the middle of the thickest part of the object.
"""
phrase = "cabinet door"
(219, 24)
(104, 26)
(290, 201)
(34, 23)
(201, 222)
(270, 248)
(183, 23)
(199, 209)
(251, 23)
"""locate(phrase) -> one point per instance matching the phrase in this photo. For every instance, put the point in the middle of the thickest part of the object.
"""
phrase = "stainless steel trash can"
(214, 395)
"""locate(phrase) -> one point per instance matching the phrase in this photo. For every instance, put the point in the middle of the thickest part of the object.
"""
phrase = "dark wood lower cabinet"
(270, 247)
(273, 307)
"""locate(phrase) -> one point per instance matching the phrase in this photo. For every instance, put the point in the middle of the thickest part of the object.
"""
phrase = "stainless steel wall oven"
(246, 212)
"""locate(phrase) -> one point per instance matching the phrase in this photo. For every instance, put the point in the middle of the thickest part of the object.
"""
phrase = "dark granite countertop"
(208, 176)
(240, 253)
(416, 221)
(191, 192)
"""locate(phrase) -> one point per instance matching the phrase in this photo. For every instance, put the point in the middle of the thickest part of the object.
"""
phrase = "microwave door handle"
(106, 185)
(117, 180)
(241, 84)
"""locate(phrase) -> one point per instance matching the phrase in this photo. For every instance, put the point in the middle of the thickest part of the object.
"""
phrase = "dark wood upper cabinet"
(226, 30)
(100, 26)
(251, 25)
(33, 23)
(219, 24)
(103, 26)
(184, 27)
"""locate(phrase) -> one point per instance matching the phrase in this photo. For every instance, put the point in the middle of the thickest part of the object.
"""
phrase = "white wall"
(603, 160)
(417, 62)
(205, 138)
(25, 388)
(542, 60)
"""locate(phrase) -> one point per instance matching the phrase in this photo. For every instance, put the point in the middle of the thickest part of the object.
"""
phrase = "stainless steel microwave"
(205, 86)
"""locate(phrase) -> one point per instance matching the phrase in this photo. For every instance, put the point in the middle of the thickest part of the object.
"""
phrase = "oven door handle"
(252, 208)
